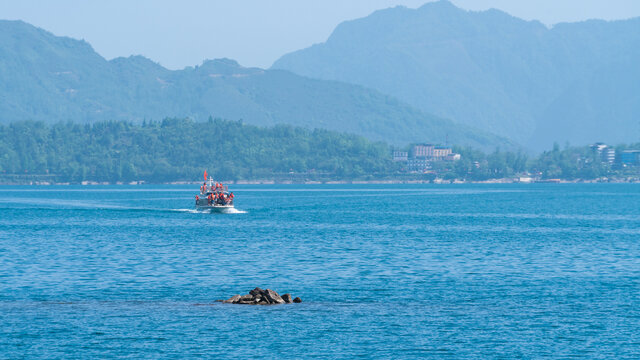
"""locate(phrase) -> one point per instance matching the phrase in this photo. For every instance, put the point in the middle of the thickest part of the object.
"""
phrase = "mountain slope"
(50, 78)
(487, 69)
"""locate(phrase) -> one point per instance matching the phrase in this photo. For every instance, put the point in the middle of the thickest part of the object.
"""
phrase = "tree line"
(177, 149)
(570, 163)
(180, 149)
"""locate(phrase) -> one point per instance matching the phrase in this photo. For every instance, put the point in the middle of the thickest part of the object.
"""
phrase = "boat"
(214, 196)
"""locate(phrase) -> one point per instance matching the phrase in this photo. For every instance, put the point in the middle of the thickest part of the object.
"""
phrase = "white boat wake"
(232, 211)
(190, 211)
(221, 211)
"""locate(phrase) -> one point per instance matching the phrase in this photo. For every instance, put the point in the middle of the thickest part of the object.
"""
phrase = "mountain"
(50, 78)
(577, 82)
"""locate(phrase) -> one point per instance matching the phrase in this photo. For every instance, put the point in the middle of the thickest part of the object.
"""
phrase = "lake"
(384, 271)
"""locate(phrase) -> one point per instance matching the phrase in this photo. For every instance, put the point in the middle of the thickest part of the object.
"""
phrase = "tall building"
(605, 152)
(609, 155)
(598, 147)
(423, 151)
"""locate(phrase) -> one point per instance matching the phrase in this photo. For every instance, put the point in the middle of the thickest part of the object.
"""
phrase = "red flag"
(205, 175)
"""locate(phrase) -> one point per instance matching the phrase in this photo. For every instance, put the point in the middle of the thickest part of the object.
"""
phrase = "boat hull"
(214, 208)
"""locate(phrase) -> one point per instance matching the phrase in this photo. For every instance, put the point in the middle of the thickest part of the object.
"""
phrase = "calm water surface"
(385, 271)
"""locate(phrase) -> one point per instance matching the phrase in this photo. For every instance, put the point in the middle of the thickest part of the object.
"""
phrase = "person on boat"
(231, 197)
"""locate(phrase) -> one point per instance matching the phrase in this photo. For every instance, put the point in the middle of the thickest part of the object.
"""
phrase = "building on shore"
(453, 157)
(441, 152)
(630, 157)
(418, 165)
(422, 151)
(421, 157)
(525, 179)
(605, 152)
(400, 156)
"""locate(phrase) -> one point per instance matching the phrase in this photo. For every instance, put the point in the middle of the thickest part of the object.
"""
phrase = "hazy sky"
(254, 32)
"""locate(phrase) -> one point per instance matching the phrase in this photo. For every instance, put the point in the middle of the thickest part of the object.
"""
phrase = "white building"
(400, 156)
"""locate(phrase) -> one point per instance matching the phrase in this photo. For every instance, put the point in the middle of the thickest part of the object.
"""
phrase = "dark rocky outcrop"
(258, 296)
(233, 299)
(273, 297)
(287, 298)
(256, 291)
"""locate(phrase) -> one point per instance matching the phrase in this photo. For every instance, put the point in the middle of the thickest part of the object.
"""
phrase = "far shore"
(335, 182)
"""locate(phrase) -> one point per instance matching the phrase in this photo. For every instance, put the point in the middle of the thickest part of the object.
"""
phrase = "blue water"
(384, 271)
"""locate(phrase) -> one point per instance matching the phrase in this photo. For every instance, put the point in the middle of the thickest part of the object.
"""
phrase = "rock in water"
(273, 297)
(232, 300)
(287, 298)
(257, 291)
(258, 296)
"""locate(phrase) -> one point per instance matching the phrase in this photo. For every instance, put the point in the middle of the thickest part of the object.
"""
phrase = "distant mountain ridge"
(577, 82)
(50, 78)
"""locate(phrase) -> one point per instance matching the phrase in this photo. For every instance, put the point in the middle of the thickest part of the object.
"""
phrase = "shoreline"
(333, 182)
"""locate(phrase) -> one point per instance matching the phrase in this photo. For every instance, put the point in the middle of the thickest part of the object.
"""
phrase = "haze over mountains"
(50, 78)
(577, 82)
(480, 73)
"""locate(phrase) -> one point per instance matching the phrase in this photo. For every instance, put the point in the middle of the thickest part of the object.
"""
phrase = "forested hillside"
(577, 82)
(51, 79)
(180, 149)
